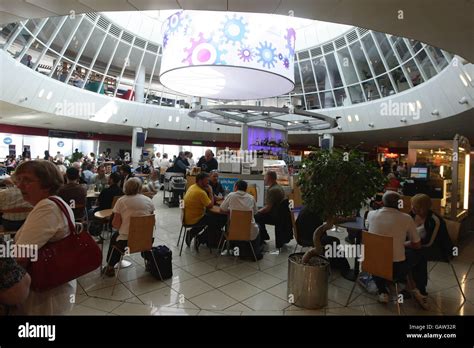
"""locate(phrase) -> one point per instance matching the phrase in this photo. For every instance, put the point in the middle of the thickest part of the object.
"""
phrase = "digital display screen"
(419, 173)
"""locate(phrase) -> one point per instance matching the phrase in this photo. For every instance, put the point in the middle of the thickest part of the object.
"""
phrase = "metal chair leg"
(219, 255)
(457, 280)
(117, 274)
(396, 298)
(350, 295)
(468, 271)
(296, 247)
(254, 256)
(182, 242)
(179, 238)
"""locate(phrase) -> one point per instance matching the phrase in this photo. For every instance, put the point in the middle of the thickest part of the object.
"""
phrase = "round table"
(103, 214)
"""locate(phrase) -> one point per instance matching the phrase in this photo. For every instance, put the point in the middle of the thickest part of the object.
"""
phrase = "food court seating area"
(238, 287)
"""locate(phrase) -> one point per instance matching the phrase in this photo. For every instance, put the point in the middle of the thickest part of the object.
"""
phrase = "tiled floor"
(238, 288)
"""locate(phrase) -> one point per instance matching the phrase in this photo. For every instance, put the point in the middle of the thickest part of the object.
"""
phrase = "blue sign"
(228, 183)
(60, 143)
(7, 140)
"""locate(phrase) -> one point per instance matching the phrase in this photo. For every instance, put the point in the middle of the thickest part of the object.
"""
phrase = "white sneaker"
(421, 299)
(383, 298)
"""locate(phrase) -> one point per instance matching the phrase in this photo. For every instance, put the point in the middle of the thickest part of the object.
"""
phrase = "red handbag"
(65, 260)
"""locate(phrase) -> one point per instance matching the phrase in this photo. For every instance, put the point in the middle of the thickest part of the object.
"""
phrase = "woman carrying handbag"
(49, 227)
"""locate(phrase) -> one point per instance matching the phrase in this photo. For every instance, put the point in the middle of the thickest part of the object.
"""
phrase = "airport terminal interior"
(236, 158)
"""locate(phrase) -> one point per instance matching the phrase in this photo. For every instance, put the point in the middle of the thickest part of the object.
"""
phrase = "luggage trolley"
(175, 185)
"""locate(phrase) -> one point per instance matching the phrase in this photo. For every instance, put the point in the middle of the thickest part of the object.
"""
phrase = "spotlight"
(463, 100)
(371, 125)
(435, 112)
(339, 127)
(157, 124)
(125, 120)
(404, 120)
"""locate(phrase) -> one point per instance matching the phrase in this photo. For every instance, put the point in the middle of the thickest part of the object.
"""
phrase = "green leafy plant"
(335, 184)
(76, 156)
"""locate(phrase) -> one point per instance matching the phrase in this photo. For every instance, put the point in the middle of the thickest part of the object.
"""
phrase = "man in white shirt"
(157, 161)
(389, 221)
(241, 200)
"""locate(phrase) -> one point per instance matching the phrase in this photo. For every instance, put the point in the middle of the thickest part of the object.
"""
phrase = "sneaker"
(421, 299)
(197, 243)
(383, 298)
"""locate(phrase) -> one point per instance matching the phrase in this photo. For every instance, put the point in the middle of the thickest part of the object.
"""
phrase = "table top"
(92, 194)
(103, 214)
(359, 224)
(216, 210)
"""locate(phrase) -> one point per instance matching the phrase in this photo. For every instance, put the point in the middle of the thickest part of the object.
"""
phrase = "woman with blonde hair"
(132, 204)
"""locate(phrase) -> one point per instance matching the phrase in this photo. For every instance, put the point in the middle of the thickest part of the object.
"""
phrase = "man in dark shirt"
(207, 163)
(215, 184)
(74, 193)
(268, 214)
(180, 164)
(107, 195)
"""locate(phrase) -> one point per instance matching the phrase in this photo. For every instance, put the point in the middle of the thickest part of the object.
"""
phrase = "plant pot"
(308, 283)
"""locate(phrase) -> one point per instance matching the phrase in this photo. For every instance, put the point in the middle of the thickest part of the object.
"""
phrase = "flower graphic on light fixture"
(246, 54)
(266, 54)
(286, 63)
(290, 38)
(204, 52)
(174, 23)
(234, 30)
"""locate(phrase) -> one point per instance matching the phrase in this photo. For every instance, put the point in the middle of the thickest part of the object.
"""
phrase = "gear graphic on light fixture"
(280, 56)
(234, 30)
(246, 54)
(175, 22)
(266, 54)
(204, 52)
(286, 63)
(290, 40)
(165, 40)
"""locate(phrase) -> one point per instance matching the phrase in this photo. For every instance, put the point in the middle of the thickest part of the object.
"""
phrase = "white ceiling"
(440, 23)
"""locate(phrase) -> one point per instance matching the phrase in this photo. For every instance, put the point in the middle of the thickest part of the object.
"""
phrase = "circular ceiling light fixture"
(263, 116)
(230, 56)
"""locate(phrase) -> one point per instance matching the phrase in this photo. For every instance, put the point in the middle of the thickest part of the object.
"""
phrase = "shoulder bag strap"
(61, 206)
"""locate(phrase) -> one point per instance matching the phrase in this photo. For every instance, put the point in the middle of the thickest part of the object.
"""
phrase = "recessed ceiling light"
(50, 94)
(464, 82)
(170, 118)
(356, 118)
(177, 118)
(40, 94)
(349, 118)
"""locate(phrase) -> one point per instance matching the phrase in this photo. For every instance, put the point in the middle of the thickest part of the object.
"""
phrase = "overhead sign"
(7, 140)
(60, 143)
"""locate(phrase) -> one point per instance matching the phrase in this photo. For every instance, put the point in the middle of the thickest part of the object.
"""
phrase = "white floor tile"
(218, 278)
(240, 290)
(192, 287)
(213, 300)
(262, 281)
(265, 302)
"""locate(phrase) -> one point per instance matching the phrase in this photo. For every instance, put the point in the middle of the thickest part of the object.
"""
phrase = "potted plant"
(334, 184)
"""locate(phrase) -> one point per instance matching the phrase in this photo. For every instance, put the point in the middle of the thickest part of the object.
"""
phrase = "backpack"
(163, 256)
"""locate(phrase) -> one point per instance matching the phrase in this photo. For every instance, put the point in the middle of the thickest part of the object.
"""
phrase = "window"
(347, 66)
(413, 72)
(401, 48)
(400, 80)
(341, 97)
(385, 85)
(425, 63)
(309, 84)
(312, 101)
(373, 54)
(370, 90)
(437, 56)
(355, 92)
(334, 74)
(360, 61)
(327, 100)
(298, 87)
(415, 44)
(386, 49)
(319, 67)
(6, 32)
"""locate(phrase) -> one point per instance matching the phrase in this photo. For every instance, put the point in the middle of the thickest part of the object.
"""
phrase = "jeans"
(212, 233)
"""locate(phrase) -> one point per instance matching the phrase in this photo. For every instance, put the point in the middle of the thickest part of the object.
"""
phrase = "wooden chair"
(378, 260)
(107, 221)
(185, 227)
(239, 229)
(140, 238)
(190, 180)
(252, 190)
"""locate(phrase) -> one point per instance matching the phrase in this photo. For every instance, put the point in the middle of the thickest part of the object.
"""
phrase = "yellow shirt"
(195, 202)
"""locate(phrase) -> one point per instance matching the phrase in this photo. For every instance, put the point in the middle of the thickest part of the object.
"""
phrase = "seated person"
(207, 163)
(153, 182)
(217, 188)
(73, 193)
(389, 221)
(130, 205)
(100, 179)
(198, 197)
(393, 183)
(268, 214)
(88, 174)
(14, 284)
(11, 199)
(107, 195)
(435, 241)
(241, 200)
(126, 172)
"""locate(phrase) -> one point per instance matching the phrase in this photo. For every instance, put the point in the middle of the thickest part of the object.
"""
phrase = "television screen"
(419, 173)
(140, 139)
